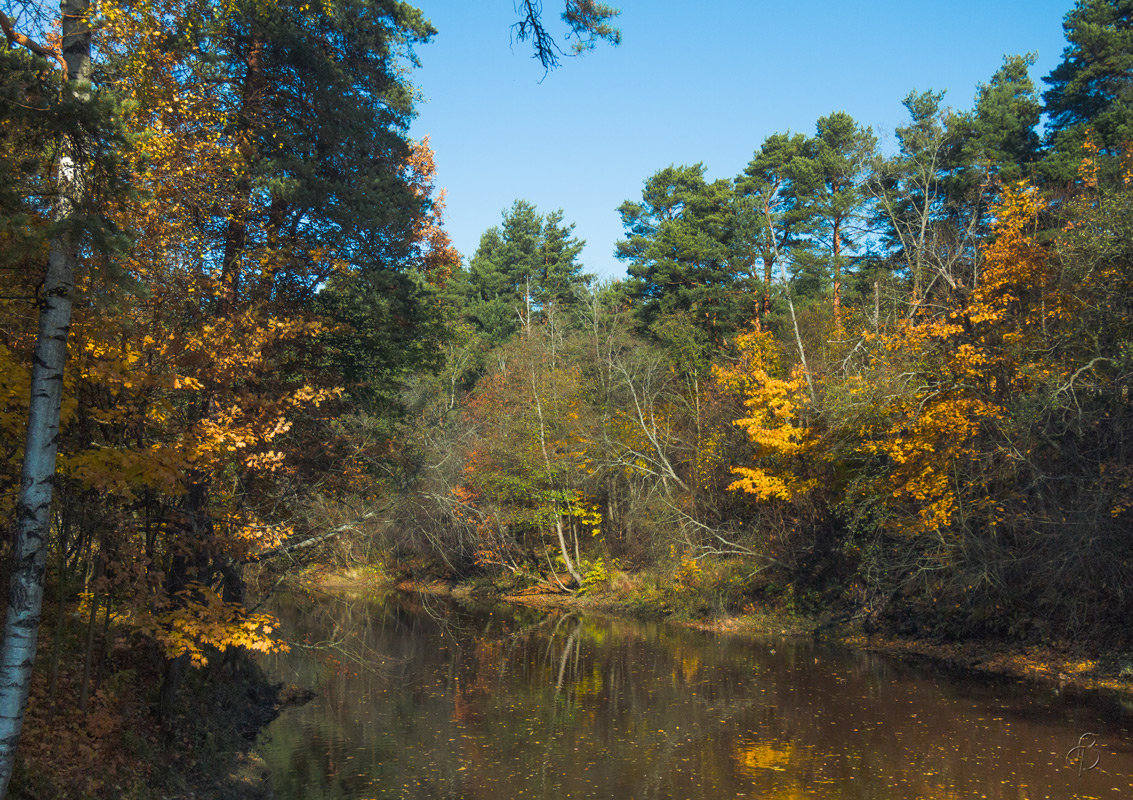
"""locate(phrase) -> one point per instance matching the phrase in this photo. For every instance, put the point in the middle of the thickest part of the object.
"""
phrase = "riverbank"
(109, 741)
(1060, 667)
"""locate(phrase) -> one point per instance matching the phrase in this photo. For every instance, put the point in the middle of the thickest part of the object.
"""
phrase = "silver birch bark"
(33, 510)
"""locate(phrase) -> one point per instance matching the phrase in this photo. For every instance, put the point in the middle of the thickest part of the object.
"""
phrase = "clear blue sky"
(692, 82)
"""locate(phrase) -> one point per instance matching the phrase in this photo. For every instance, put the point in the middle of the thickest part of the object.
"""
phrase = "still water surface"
(419, 699)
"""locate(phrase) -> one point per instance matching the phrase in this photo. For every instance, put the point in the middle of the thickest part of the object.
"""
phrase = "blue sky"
(692, 82)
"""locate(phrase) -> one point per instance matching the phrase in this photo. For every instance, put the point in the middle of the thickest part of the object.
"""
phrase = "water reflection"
(422, 701)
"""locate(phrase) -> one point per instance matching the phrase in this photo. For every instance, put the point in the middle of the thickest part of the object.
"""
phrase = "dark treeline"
(891, 385)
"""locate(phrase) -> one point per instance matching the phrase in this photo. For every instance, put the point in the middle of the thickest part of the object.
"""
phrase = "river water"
(423, 699)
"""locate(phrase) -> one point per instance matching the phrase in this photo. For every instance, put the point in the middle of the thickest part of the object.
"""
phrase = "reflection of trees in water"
(333, 636)
(624, 703)
(482, 703)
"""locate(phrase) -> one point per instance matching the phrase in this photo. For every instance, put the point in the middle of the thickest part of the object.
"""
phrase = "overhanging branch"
(15, 37)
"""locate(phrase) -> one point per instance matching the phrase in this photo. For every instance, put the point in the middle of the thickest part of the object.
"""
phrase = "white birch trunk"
(33, 510)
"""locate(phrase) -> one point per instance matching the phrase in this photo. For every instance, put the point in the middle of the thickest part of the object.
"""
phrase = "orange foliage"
(438, 256)
(963, 366)
(775, 423)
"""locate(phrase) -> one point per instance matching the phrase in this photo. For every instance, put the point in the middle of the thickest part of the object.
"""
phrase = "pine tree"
(831, 186)
(768, 210)
(522, 269)
(1092, 89)
(678, 248)
(1000, 135)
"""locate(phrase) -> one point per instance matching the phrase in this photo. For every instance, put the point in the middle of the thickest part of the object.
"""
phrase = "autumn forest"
(888, 388)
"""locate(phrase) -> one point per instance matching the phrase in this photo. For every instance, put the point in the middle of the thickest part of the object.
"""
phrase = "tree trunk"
(33, 509)
(88, 651)
(770, 253)
(236, 233)
(791, 306)
(838, 274)
(565, 551)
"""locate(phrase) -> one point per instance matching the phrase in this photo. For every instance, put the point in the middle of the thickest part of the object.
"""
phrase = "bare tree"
(936, 237)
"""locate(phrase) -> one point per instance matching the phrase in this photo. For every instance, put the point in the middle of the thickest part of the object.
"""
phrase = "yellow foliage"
(202, 620)
(959, 367)
(689, 573)
(124, 472)
(587, 513)
(774, 422)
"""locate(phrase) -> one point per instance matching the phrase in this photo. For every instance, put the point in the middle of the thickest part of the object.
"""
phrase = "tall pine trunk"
(33, 509)
(838, 273)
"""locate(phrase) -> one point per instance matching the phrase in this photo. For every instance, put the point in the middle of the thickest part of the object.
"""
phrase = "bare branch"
(291, 547)
(530, 26)
(15, 37)
(588, 21)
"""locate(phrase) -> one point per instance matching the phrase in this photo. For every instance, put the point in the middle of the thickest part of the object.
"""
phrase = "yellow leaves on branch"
(1013, 263)
(934, 390)
(202, 621)
(925, 444)
(132, 380)
(245, 428)
(125, 472)
(588, 514)
(773, 424)
(962, 364)
(249, 535)
(1088, 167)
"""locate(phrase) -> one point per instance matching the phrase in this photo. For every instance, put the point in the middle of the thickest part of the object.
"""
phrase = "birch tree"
(33, 510)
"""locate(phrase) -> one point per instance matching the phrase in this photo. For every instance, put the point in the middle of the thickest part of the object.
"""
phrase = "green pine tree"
(678, 248)
(1092, 89)
(522, 269)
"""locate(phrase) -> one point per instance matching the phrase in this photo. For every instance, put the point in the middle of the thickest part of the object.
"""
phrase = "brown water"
(423, 700)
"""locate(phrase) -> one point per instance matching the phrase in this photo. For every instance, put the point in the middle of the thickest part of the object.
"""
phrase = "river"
(420, 698)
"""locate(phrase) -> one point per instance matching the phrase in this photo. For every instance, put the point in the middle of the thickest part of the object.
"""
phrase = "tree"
(25, 596)
(523, 269)
(832, 193)
(1091, 91)
(560, 273)
(303, 267)
(767, 208)
(678, 251)
(931, 241)
(1000, 135)
(524, 467)
(776, 426)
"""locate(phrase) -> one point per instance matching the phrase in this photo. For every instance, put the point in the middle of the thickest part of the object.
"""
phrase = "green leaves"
(1093, 86)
